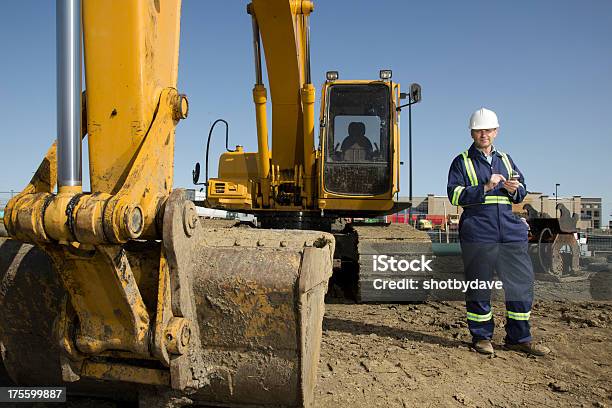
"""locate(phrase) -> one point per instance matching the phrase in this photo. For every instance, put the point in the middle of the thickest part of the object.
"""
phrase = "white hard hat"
(483, 119)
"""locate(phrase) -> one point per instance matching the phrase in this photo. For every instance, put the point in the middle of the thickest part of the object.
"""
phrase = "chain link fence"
(599, 244)
(442, 237)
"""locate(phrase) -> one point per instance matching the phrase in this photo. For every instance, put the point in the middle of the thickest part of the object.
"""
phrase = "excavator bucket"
(255, 299)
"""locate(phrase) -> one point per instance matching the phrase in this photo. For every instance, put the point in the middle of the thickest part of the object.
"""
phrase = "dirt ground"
(418, 355)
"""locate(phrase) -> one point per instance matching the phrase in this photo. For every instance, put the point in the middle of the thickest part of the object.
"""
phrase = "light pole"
(556, 198)
(414, 96)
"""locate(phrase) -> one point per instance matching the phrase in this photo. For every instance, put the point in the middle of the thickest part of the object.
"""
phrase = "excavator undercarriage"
(358, 245)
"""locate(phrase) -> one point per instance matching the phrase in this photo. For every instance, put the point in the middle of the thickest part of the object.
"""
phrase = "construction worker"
(485, 182)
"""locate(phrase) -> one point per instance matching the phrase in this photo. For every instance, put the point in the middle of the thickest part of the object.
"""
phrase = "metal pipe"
(308, 100)
(260, 98)
(257, 52)
(307, 47)
(556, 199)
(68, 48)
(410, 149)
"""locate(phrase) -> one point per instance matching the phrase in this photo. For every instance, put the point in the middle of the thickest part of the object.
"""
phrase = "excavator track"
(357, 246)
(258, 297)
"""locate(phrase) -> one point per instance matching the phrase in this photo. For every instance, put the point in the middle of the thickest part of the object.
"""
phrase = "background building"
(546, 204)
(591, 210)
(438, 208)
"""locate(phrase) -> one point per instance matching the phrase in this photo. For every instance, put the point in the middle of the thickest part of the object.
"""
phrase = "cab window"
(358, 139)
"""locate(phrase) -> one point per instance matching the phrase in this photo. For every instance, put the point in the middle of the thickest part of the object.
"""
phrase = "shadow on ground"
(361, 328)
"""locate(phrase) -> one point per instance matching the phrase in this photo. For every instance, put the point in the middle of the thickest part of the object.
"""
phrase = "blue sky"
(545, 66)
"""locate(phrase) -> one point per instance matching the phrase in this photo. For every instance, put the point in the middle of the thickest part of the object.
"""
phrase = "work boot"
(529, 348)
(483, 346)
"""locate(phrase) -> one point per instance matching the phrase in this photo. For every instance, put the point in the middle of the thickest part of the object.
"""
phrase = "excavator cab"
(359, 139)
(357, 133)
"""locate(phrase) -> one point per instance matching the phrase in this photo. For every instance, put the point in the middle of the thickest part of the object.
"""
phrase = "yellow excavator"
(354, 173)
(123, 291)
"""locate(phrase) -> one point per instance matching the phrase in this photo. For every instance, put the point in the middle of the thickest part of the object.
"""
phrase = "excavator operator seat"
(356, 147)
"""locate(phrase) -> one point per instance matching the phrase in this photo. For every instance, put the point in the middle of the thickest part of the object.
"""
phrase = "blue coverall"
(492, 238)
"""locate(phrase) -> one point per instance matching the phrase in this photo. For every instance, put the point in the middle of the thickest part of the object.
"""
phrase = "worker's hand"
(511, 185)
(494, 181)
